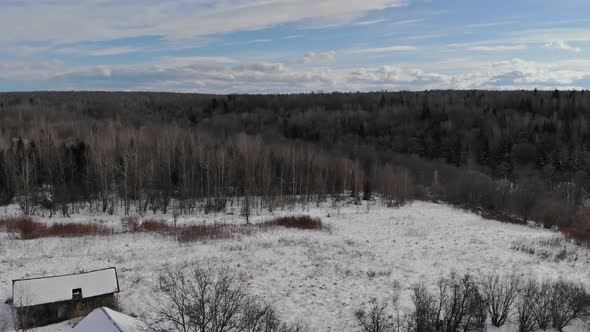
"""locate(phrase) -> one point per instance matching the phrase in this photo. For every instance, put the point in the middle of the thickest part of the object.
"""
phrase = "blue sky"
(282, 46)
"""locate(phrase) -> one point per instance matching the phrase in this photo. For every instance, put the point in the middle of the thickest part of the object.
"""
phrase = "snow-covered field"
(316, 277)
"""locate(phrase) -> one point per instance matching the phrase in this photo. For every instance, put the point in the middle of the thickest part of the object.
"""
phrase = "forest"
(514, 155)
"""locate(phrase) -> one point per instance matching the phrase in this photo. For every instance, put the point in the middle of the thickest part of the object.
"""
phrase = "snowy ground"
(316, 277)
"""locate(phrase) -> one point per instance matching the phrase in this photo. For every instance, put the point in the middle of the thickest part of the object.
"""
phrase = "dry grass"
(132, 223)
(298, 222)
(156, 226)
(580, 233)
(226, 231)
(213, 232)
(27, 228)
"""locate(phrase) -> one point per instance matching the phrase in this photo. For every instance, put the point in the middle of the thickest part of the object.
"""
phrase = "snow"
(107, 320)
(316, 277)
(29, 292)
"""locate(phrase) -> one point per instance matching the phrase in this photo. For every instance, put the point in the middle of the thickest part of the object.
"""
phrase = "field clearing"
(316, 277)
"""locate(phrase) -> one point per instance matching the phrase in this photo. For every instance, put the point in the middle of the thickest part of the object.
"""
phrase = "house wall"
(45, 314)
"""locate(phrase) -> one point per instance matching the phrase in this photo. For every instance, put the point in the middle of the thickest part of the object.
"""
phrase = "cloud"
(114, 51)
(227, 75)
(489, 24)
(408, 21)
(317, 58)
(395, 48)
(370, 22)
(497, 48)
(81, 51)
(63, 21)
(562, 46)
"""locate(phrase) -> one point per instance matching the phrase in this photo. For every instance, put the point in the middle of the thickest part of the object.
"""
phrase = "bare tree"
(570, 301)
(500, 293)
(211, 300)
(526, 307)
(375, 319)
(427, 311)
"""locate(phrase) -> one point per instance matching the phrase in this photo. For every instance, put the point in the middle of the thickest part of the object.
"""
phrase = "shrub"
(299, 222)
(459, 303)
(580, 231)
(544, 298)
(553, 212)
(375, 319)
(569, 301)
(526, 307)
(132, 223)
(75, 230)
(212, 232)
(500, 294)
(28, 228)
(426, 314)
(205, 299)
(24, 226)
(159, 226)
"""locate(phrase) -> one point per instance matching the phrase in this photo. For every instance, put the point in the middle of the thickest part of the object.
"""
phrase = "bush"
(569, 301)
(27, 228)
(543, 299)
(76, 230)
(426, 315)
(459, 304)
(205, 299)
(526, 307)
(210, 232)
(299, 222)
(158, 226)
(500, 294)
(375, 319)
(132, 224)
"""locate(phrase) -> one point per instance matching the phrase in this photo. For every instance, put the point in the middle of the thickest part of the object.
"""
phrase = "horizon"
(293, 47)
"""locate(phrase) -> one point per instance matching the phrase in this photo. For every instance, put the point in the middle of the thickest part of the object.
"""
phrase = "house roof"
(107, 320)
(36, 291)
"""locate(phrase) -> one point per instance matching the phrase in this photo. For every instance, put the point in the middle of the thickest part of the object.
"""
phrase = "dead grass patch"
(28, 229)
(298, 222)
(214, 232)
(156, 226)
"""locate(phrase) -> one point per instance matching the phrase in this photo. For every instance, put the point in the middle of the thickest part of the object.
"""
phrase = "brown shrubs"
(298, 222)
(27, 228)
(156, 226)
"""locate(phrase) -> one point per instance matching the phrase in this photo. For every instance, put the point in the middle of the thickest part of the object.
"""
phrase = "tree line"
(515, 153)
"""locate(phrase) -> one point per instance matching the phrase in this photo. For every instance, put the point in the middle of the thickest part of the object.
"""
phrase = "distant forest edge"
(514, 155)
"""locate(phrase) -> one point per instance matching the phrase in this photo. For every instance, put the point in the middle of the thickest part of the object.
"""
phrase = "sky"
(289, 46)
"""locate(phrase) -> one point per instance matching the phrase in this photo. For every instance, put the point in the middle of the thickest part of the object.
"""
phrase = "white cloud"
(497, 48)
(60, 21)
(97, 51)
(408, 21)
(370, 22)
(489, 24)
(323, 58)
(395, 48)
(562, 46)
(227, 75)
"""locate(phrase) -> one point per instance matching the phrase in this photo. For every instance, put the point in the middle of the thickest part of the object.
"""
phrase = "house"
(48, 300)
(107, 320)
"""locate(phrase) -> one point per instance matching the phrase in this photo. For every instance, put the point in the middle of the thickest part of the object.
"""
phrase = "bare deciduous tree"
(375, 319)
(500, 293)
(211, 300)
